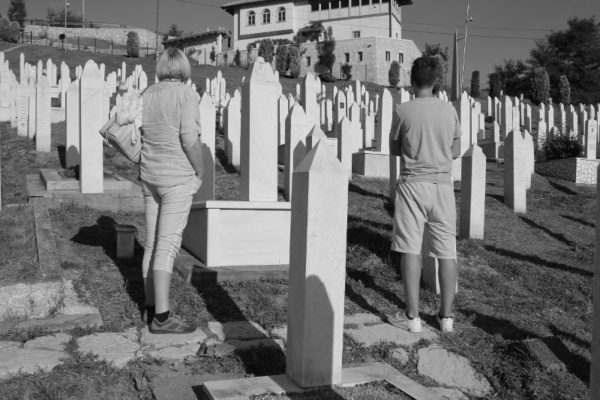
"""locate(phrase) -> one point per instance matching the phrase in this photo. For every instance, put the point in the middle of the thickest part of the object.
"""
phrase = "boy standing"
(426, 136)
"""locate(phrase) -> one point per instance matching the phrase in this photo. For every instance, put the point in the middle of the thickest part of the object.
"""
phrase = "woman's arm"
(189, 131)
(193, 151)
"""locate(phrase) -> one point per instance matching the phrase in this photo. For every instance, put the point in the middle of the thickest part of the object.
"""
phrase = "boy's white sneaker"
(400, 320)
(446, 324)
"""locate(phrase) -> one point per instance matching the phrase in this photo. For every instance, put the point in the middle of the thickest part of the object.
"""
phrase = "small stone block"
(373, 334)
(539, 350)
(158, 342)
(237, 330)
(55, 342)
(125, 240)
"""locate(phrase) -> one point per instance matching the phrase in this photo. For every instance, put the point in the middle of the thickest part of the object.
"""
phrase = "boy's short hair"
(423, 72)
(173, 64)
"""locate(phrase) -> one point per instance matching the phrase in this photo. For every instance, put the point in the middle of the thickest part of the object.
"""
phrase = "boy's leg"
(448, 276)
(411, 278)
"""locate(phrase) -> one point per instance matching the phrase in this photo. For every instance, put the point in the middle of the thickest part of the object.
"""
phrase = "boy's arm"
(456, 150)
(395, 140)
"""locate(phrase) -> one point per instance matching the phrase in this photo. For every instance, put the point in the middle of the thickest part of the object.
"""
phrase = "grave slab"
(14, 361)
(362, 319)
(55, 342)
(373, 334)
(171, 340)
(237, 330)
(58, 323)
(185, 387)
(115, 348)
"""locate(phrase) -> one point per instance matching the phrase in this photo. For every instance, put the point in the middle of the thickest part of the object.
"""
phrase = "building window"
(355, 34)
(344, 4)
(347, 57)
(355, 3)
(360, 56)
(251, 18)
(314, 6)
(266, 16)
(281, 14)
(324, 5)
(308, 61)
(366, 2)
(400, 58)
(335, 4)
(387, 56)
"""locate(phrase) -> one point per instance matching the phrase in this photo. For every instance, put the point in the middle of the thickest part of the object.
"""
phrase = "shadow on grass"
(562, 188)
(575, 363)
(103, 234)
(363, 192)
(364, 236)
(579, 220)
(222, 157)
(558, 236)
(537, 260)
(498, 197)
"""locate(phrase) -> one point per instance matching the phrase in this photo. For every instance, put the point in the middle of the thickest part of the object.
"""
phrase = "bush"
(394, 74)
(17, 12)
(346, 71)
(294, 56)
(326, 51)
(212, 55)
(266, 50)
(495, 85)
(309, 33)
(282, 59)
(439, 73)
(237, 58)
(540, 85)
(564, 90)
(562, 146)
(475, 92)
(9, 31)
(133, 44)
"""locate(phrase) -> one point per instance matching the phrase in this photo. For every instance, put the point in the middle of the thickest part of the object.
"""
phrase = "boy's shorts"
(421, 206)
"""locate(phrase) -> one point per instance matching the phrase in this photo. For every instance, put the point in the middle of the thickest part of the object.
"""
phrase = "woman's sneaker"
(446, 324)
(400, 320)
(173, 325)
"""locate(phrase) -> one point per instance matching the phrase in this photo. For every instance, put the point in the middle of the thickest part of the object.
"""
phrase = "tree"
(574, 53)
(495, 85)
(437, 50)
(564, 90)
(9, 31)
(133, 44)
(394, 74)
(282, 59)
(475, 92)
(294, 56)
(310, 33)
(212, 55)
(237, 58)
(57, 18)
(17, 11)
(326, 51)
(439, 83)
(346, 71)
(174, 31)
(266, 50)
(540, 85)
(514, 76)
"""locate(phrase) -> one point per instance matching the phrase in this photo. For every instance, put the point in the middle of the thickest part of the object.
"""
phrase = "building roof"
(197, 36)
(230, 6)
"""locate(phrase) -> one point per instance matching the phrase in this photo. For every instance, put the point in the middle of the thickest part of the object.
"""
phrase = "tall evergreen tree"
(17, 11)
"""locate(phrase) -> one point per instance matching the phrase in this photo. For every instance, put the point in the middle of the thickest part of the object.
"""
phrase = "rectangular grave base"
(245, 388)
(239, 233)
(371, 164)
(55, 181)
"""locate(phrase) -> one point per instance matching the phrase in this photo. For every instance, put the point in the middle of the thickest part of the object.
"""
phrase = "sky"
(501, 29)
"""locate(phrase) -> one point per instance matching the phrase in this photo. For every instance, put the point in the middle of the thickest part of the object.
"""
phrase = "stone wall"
(578, 170)
(117, 34)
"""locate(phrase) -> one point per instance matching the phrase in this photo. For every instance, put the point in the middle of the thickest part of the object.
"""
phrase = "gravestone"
(297, 126)
(507, 117)
(463, 108)
(368, 127)
(4, 84)
(541, 137)
(530, 157)
(32, 110)
(345, 132)
(311, 85)
(73, 126)
(384, 122)
(142, 81)
(315, 135)
(22, 73)
(549, 117)
(591, 138)
(283, 109)
(259, 174)
(472, 194)
(474, 124)
(329, 121)
(572, 124)
(339, 110)
(22, 109)
(317, 270)
(91, 105)
(233, 129)
(515, 172)
(595, 352)
(43, 137)
(207, 129)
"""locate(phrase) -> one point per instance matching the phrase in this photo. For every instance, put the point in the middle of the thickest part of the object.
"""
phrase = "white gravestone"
(72, 121)
(472, 194)
(345, 132)
(283, 110)
(259, 174)
(591, 138)
(91, 106)
(339, 109)
(311, 85)
(383, 127)
(32, 113)
(207, 129)
(43, 139)
(515, 172)
(297, 126)
(595, 356)
(463, 108)
(22, 109)
(316, 134)
(234, 127)
(317, 271)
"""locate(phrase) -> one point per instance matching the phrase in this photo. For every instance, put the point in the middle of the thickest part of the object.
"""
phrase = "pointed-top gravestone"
(22, 74)
(91, 103)
(22, 109)
(595, 356)
(297, 126)
(591, 138)
(283, 111)
(339, 109)
(43, 138)
(384, 122)
(345, 132)
(515, 172)
(142, 81)
(233, 128)
(315, 135)
(31, 124)
(310, 88)
(317, 270)
(259, 174)
(207, 129)
(463, 109)
(472, 194)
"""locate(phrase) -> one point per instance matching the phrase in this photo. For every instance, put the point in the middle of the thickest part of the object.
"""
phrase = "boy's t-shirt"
(424, 128)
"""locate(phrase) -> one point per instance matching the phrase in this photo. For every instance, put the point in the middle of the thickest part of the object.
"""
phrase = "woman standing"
(171, 173)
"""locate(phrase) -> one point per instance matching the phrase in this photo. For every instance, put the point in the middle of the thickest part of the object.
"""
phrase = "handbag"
(123, 129)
